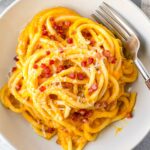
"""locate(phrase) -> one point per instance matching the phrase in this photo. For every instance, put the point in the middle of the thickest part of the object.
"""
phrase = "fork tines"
(112, 20)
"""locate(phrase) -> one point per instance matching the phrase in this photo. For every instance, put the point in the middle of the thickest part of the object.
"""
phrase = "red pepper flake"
(14, 69)
(93, 88)
(43, 66)
(129, 115)
(90, 60)
(42, 88)
(18, 87)
(80, 76)
(48, 52)
(72, 75)
(67, 23)
(16, 58)
(60, 68)
(69, 40)
(84, 63)
(35, 66)
(51, 62)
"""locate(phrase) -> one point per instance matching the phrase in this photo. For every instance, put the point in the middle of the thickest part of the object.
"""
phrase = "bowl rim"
(15, 2)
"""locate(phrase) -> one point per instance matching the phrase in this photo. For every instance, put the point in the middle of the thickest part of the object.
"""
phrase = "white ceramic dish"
(17, 131)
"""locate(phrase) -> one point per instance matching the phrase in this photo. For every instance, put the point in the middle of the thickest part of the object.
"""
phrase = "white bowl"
(17, 131)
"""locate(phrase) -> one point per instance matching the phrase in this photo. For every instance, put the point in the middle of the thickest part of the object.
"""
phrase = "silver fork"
(112, 20)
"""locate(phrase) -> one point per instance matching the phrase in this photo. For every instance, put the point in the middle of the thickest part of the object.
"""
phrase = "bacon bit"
(72, 75)
(61, 50)
(47, 72)
(67, 85)
(43, 27)
(45, 32)
(51, 62)
(60, 24)
(66, 66)
(80, 76)
(87, 34)
(69, 40)
(14, 69)
(84, 63)
(60, 31)
(75, 116)
(16, 58)
(93, 88)
(90, 60)
(53, 96)
(52, 19)
(48, 52)
(82, 112)
(101, 105)
(52, 37)
(85, 120)
(92, 42)
(43, 66)
(63, 36)
(89, 113)
(18, 87)
(50, 130)
(129, 115)
(57, 27)
(106, 53)
(112, 60)
(35, 66)
(67, 23)
(59, 69)
(42, 88)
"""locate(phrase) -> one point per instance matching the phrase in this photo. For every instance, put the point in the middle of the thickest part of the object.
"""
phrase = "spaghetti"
(70, 78)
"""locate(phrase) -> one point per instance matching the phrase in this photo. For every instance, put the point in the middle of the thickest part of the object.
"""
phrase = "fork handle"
(143, 71)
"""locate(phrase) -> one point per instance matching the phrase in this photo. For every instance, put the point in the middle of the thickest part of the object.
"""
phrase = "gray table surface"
(145, 144)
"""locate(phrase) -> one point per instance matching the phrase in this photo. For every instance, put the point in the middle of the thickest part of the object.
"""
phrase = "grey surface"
(145, 144)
